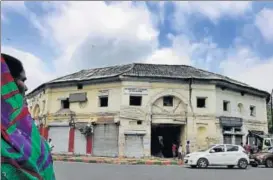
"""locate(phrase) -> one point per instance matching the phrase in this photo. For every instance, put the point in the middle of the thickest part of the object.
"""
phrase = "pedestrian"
(24, 152)
(247, 148)
(174, 149)
(180, 152)
(188, 147)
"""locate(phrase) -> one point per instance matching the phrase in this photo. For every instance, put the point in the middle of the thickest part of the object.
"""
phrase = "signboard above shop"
(135, 91)
(103, 92)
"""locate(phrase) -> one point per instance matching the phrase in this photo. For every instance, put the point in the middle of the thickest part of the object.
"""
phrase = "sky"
(53, 39)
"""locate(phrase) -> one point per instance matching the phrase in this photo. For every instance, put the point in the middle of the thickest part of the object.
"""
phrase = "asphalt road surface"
(82, 171)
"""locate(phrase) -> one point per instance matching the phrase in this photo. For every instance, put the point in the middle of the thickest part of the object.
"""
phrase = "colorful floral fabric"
(25, 154)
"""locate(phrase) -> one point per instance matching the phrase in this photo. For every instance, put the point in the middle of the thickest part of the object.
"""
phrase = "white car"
(219, 155)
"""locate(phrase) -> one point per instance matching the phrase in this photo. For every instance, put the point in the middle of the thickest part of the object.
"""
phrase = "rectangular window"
(201, 102)
(167, 101)
(252, 110)
(135, 100)
(226, 105)
(103, 101)
(139, 122)
(65, 104)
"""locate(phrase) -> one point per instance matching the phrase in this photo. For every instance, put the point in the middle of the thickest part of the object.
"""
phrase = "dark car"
(264, 157)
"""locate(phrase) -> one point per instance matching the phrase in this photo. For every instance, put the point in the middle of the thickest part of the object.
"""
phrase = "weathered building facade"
(138, 110)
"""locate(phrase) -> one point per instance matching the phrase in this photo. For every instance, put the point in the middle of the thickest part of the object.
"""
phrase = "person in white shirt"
(180, 152)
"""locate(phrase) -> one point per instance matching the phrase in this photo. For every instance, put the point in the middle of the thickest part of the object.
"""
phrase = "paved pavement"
(84, 171)
(107, 160)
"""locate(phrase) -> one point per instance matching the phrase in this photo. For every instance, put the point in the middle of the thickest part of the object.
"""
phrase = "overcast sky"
(56, 38)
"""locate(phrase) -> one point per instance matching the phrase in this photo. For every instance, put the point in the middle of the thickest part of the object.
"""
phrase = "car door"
(216, 155)
(231, 155)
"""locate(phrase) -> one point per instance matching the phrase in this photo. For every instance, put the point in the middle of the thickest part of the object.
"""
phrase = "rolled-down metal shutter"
(80, 143)
(60, 139)
(238, 139)
(134, 146)
(105, 140)
(227, 139)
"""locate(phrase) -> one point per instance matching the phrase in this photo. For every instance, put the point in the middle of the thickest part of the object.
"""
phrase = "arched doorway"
(168, 120)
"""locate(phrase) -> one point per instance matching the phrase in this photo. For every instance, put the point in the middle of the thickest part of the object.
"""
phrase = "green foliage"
(269, 118)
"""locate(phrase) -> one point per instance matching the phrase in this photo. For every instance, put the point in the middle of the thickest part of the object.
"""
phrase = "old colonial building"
(138, 110)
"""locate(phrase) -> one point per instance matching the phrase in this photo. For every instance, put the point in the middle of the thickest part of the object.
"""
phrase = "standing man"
(180, 152)
(188, 147)
(174, 148)
(247, 147)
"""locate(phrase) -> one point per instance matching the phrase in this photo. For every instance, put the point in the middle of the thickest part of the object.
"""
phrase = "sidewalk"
(107, 160)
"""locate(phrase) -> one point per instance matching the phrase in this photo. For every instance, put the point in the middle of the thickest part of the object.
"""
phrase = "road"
(82, 171)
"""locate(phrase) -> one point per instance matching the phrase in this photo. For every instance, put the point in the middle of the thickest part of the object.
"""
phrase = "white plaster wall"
(131, 125)
(247, 100)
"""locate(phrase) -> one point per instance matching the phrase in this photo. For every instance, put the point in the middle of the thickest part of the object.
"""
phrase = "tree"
(269, 118)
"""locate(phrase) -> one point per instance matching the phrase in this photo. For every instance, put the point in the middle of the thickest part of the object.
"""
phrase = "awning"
(231, 121)
(135, 132)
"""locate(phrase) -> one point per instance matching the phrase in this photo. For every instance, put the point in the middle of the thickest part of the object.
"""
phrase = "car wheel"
(269, 163)
(242, 163)
(202, 163)
(230, 166)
